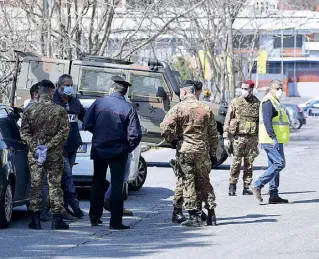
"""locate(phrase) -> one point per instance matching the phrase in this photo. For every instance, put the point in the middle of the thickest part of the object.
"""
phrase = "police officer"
(116, 132)
(63, 96)
(44, 129)
(241, 128)
(273, 134)
(191, 126)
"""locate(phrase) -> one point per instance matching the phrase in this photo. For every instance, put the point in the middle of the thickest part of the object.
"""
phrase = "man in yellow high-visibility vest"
(273, 134)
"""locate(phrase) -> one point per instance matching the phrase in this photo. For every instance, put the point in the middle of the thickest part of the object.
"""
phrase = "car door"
(18, 154)
(151, 97)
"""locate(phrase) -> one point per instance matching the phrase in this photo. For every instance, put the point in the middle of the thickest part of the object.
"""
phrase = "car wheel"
(141, 176)
(221, 154)
(6, 206)
(297, 124)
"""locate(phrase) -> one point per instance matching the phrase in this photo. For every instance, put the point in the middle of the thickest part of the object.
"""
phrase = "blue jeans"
(70, 196)
(276, 163)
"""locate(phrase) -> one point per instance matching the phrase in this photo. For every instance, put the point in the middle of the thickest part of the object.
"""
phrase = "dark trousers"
(117, 165)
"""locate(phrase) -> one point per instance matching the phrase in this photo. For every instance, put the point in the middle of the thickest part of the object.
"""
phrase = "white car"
(83, 167)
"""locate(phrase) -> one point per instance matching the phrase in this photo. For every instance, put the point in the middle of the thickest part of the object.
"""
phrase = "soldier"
(191, 127)
(241, 129)
(44, 129)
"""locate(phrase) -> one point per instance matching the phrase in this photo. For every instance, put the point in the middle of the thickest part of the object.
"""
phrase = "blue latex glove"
(41, 154)
(276, 144)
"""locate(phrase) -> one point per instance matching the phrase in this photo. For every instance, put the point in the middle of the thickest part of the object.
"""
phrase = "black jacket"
(75, 112)
(115, 126)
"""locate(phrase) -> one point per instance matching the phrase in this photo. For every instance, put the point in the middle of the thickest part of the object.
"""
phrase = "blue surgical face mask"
(68, 90)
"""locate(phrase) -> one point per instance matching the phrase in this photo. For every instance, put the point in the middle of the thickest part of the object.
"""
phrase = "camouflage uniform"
(241, 126)
(45, 123)
(193, 124)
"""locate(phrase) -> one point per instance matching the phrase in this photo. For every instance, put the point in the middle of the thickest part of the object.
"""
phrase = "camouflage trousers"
(53, 167)
(194, 187)
(245, 149)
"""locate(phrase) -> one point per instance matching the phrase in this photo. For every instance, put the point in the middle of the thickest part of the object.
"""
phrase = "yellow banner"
(262, 62)
(203, 57)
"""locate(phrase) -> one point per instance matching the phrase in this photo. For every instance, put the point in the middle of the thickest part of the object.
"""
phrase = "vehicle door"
(151, 96)
(18, 157)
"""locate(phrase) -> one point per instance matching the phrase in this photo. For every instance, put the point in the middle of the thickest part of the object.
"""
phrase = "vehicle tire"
(221, 153)
(6, 206)
(125, 191)
(297, 124)
(141, 176)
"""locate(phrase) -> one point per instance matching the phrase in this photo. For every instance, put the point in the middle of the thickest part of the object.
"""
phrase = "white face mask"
(244, 93)
(279, 93)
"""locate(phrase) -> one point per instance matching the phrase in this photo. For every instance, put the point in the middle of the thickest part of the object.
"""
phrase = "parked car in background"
(14, 170)
(312, 103)
(296, 115)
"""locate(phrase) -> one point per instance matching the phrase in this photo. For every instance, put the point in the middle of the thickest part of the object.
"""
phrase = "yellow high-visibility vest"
(280, 123)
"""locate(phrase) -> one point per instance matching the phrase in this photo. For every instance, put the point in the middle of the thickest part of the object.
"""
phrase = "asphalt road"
(246, 229)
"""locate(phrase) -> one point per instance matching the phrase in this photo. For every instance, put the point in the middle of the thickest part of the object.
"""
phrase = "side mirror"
(161, 92)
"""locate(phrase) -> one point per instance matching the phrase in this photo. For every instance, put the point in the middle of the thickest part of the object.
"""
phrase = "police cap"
(120, 80)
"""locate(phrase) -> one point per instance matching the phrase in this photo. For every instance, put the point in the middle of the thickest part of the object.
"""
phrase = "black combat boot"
(193, 220)
(211, 218)
(35, 221)
(232, 190)
(246, 190)
(275, 199)
(58, 222)
(178, 216)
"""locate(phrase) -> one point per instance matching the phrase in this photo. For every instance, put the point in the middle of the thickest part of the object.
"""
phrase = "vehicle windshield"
(95, 81)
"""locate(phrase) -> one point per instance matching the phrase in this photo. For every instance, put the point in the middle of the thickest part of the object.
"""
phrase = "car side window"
(146, 85)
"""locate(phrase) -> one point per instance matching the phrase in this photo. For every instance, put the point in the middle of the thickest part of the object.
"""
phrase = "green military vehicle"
(155, 87)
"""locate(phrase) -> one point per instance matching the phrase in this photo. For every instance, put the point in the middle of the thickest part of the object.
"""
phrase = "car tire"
(297, 124)
(6, 206)
(221, 154)
(141, 176)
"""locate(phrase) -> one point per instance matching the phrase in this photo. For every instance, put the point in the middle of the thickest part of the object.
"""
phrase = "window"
(288, 41)
(97, 81)
(146, 85)
(245, 41)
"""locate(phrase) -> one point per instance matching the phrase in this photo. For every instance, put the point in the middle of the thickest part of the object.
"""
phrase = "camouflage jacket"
(45, 123)
(242, 117)
(193, 124)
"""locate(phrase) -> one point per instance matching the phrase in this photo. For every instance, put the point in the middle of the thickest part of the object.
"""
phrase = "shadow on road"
(297, 192)
(307, 201)
(221, 167)
(248, 222)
